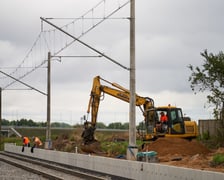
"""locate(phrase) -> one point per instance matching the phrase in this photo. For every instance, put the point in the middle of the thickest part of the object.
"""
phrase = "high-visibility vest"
(26, 140)
(164, 118)
(37, 141)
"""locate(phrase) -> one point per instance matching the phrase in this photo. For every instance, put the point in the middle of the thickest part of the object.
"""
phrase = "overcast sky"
(170, 35)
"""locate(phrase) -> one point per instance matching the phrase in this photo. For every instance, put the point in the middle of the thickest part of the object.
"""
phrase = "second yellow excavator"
(173, 125)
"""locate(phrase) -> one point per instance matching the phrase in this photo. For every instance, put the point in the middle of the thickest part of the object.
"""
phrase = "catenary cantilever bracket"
(83, 43)
(23, 83)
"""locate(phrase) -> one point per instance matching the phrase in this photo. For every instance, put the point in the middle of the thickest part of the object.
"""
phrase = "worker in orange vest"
(164, 121)
(163, 117)
(36, 143)
(26, 142)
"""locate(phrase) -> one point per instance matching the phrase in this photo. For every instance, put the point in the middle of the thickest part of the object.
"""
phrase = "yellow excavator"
(175, 125)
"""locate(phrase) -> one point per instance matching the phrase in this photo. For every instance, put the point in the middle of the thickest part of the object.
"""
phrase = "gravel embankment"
(9, 172)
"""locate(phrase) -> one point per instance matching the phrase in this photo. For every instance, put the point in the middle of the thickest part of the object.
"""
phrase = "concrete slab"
(123, 168)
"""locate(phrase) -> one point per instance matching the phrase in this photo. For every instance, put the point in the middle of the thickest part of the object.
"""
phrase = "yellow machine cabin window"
(177, 122)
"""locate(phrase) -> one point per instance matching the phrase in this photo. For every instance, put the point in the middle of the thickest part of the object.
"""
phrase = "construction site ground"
(185, 153)
(170, 151)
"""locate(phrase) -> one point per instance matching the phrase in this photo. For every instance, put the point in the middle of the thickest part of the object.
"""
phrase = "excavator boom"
(97, 93)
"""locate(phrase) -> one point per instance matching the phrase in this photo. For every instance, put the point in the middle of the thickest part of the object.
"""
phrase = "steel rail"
(47, 165)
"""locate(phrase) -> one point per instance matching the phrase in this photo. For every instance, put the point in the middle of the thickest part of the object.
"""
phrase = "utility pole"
(0, 118)
(48, 144)
(132, 148)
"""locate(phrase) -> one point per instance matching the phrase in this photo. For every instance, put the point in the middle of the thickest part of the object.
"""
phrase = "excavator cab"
(175, 120)
(163, 121)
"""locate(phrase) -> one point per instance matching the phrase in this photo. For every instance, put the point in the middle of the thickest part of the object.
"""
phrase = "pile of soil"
(67, 143)
(91, 148)
(175, 146)
(184, 153)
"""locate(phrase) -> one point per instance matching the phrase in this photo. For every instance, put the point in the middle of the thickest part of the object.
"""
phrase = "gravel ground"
(9, 172)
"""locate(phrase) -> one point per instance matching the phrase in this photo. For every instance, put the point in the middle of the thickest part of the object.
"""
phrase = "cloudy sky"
(170, 35)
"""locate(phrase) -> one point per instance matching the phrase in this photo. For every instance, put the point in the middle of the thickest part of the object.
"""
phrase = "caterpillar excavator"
(174, 125)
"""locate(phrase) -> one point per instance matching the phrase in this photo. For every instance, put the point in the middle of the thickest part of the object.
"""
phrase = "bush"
(114, 148)
(220, 137)
(206, 135)
(218, 159)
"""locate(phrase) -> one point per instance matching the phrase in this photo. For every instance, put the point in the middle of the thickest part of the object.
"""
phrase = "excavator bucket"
(88, 135)
(90, 144)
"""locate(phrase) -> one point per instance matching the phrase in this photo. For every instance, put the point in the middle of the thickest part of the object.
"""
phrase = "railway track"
(48, 170)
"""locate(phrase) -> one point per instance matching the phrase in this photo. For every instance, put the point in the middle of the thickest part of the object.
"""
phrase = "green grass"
(218, 159)
(117, 148)
(15, 140)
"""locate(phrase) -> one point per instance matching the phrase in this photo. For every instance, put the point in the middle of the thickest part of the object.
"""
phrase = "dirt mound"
(67, 142)
(92, 148)
(176, 146)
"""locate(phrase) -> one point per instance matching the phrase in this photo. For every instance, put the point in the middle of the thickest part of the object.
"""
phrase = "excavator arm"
(97, 93)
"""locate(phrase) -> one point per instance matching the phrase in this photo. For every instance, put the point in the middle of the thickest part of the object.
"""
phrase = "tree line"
(30, 123)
